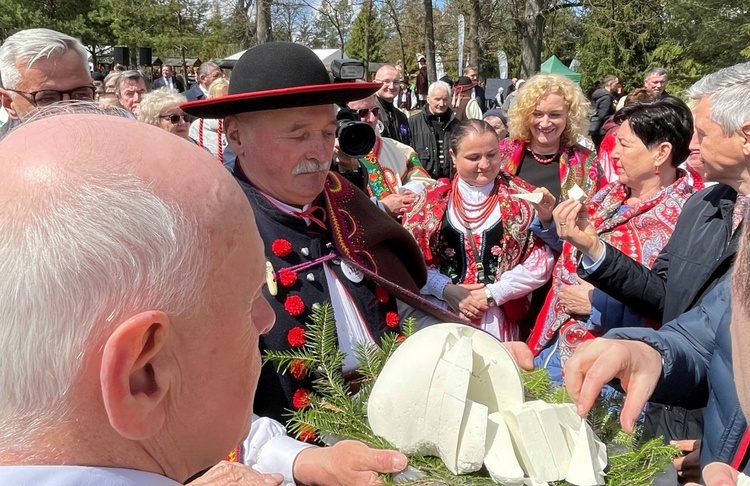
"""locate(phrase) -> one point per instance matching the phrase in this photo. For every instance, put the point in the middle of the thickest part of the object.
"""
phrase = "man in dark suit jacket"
(207, 74)
(169, 80)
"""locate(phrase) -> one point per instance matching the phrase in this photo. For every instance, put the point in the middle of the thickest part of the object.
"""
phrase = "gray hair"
(657, 71)
(440, 85)
(111, 75)
(30, 45)
(153, 104)
(78, 258)
(729, 91)
(131, 75)
(207, 67)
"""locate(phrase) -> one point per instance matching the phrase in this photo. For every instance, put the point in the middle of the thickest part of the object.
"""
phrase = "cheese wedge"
(553, 433)
(577, 193)
(588, 460)
(530, 443)
(495, 379)
(500, 458)
(471, 441)
(533, 197)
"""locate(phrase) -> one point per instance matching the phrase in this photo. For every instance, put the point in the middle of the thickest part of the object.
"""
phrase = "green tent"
(555, 66)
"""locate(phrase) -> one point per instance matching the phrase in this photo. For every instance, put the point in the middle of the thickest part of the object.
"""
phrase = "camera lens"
(356, 139)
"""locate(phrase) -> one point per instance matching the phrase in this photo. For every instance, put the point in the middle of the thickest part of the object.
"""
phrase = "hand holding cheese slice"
(453, 391)
(577, 193)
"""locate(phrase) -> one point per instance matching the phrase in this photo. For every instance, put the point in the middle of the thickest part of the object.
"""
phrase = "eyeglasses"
(46, 97)
(175, 119)
(366, 111)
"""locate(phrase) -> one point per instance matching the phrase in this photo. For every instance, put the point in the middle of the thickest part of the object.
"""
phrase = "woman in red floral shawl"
(635, 214)
(482, 260)
(544, 148)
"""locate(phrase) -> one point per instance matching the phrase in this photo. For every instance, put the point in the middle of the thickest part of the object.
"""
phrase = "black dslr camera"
(356, 138)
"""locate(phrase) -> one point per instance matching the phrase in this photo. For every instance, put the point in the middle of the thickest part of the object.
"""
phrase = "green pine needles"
(335, 412)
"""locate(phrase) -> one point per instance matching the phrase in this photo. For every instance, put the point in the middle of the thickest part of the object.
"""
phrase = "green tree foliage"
(368, 29)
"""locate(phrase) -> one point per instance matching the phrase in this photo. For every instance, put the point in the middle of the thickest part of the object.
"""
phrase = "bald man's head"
(133, 272)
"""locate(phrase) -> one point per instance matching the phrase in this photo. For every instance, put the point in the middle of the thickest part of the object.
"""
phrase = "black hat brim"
(276, 99)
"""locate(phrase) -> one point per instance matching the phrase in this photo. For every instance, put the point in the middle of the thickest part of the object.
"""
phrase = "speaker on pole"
(144, 56)
(122, 55)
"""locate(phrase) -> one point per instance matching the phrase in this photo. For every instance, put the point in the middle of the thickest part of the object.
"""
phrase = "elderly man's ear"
(135, 375)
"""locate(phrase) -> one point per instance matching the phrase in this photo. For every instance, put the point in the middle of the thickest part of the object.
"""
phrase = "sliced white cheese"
(398, 401)
(553, 433)
(533, 197)
(446, 398)
(589, 459)
(530, 443)
(495, 379)
(471, 442)
(500, 458)
(577, 193)
(569, 420)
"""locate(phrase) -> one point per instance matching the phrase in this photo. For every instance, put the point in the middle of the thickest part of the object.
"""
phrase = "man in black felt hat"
(325, 239)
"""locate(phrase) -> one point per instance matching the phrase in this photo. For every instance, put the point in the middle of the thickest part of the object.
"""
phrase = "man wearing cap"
(464, 104)
(324, 238)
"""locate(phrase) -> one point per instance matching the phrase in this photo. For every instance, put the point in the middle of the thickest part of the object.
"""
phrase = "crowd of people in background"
(594, 234)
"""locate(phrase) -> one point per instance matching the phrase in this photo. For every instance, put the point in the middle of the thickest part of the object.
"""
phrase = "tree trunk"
(533, 29)
(474, 51)
(263, 21)
(395, 16)
(429, 48)
(366, 59)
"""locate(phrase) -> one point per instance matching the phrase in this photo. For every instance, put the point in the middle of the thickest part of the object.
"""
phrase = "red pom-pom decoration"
(400, 338)
(301, 398)
(296, 337)
(298, 369)
(294, 305)
(287, 278)
(281, 248)
(382, 295)
(392, 319)
(308, 435)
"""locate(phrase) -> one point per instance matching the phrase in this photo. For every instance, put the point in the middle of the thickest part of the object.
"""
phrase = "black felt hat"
(278, 75)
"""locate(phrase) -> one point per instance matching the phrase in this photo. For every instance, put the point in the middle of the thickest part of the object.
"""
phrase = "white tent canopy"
(325, 55)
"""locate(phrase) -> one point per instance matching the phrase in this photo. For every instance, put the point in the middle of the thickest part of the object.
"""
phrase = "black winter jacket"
(697, 352)
(700, 251)
(424, 142)
(602, 106)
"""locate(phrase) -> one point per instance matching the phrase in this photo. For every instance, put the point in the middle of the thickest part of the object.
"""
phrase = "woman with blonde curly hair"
(162, 109)
(546, 122)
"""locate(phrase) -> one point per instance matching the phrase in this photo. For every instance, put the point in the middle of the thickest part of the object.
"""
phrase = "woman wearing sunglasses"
(162, 108)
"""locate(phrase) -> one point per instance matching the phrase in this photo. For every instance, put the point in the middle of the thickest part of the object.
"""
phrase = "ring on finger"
(563, 223)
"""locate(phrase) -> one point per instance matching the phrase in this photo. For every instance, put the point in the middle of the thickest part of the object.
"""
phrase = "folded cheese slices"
(455, 392)
(534, 197)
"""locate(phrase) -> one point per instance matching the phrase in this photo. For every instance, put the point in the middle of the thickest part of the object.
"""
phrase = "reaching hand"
(688, 465)
(227, 473)
(719, 474)
(573, 226)
(397, 205)
(545, 207)
(347, 463)
(460, 299)
(521, 353)
(595, 363)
